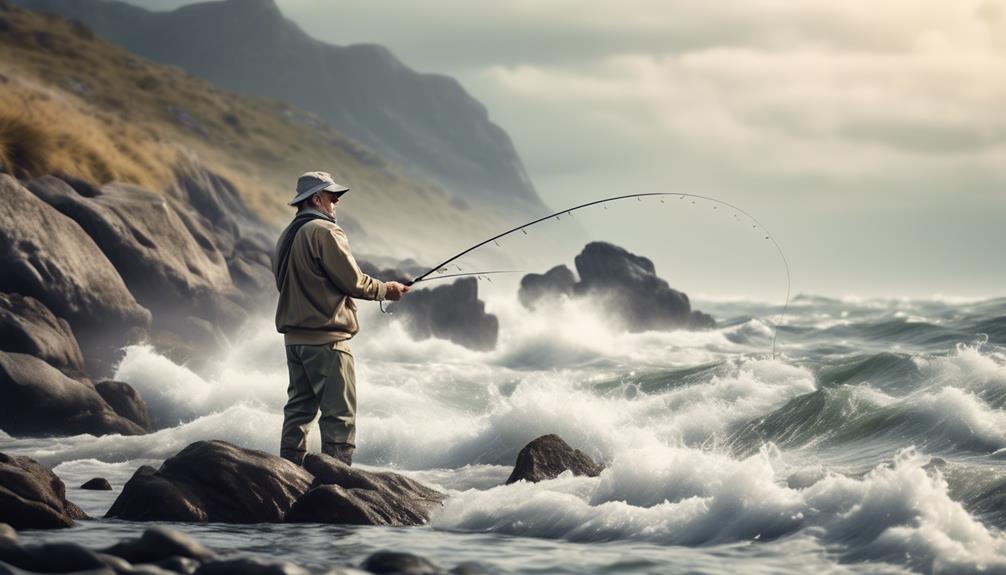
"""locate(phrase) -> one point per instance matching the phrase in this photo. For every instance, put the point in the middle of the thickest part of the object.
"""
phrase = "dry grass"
(24, 147)
(71, 102)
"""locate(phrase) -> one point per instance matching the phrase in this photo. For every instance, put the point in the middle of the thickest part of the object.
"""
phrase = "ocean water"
(874, 441)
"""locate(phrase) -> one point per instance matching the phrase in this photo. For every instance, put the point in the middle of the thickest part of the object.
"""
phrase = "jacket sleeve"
(339, 264)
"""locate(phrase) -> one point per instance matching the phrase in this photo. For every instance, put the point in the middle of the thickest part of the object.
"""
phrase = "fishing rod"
(569, 211)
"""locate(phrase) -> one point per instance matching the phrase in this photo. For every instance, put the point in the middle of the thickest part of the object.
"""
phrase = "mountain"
(75, 104)
(426, 122)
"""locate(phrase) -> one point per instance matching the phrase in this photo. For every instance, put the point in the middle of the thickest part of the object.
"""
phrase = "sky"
(868, 137)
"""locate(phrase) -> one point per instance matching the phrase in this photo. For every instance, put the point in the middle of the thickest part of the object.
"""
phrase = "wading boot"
(341, 451)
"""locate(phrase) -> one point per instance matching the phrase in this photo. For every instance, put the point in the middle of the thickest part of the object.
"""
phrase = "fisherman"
(318, 278)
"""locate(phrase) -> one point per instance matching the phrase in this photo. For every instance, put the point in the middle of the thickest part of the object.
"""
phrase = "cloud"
(873, 132)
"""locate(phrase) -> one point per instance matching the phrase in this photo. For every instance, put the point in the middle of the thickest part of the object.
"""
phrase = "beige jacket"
(315, 299)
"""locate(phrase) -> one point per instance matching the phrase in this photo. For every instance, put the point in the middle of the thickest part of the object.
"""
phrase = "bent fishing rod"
(569, 211)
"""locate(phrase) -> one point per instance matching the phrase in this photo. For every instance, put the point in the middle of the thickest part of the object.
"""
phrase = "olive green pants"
(320, 378)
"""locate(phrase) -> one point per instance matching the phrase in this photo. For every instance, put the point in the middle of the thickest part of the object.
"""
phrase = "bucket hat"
(310, 183)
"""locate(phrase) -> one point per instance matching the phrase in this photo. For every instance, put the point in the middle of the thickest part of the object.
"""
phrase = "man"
(317, 278)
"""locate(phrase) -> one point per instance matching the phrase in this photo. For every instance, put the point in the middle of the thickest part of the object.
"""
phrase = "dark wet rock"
(469, 568)
(700, 320)
(556, 282)
(32, 497)
(53, 558)
(213, 481)
(453, 312)
(125, 401)
(622, 283)
(629, 286)
(48, 256)
(97, 484)
(29, 327)
(167, 265)
(397, 563)
(176, 564)
(36, 398)
(250, 566)
(160, 544)
(346, 495)
(548, 456)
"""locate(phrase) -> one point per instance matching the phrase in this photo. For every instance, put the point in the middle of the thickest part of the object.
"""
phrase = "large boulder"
(125, 401)
(623, 284)
(48, 256)
(32, 497)
(29, 327)
(346, 495)
(213, 481)
(548, 456)
(453, 312)
(168, 260)
(36, 398)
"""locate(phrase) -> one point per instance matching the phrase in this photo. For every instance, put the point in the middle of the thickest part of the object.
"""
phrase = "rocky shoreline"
(215, 481)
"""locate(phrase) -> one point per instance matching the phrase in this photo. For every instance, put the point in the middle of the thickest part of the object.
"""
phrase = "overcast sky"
(869, 137)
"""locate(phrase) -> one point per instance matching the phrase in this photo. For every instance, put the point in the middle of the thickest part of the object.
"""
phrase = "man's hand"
(396, 291)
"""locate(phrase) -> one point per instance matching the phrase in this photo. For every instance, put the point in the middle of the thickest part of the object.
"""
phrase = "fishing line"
(523, 228)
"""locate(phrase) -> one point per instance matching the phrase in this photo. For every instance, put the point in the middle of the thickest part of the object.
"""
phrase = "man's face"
(325, 202)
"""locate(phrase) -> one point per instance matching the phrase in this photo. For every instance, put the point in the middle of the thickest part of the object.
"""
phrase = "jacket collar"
(318, 212)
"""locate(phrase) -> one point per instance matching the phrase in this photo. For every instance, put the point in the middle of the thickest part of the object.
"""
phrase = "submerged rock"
(36, 398)
(346, 495)
(453, 312)
(97, 484)
(29, 327)
(251, 566)
(160, 544)
(53, 558)
(32, 497)
(398, 563)
(213, 481)
(548, 456)
(125, 401)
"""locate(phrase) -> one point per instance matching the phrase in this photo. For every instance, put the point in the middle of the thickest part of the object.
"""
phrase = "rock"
(622, 283)
(160, 544)
(29, 327)
(47, 256)
(35, 398)
(548, 456)
(699, 320)
(97, 484)
(213, 481)
(8, 532)
(554, 283)
(469, 568)
(346, 495)
(125, 401)
(54, 558)
(166, 266)
(32, 497)
(630, 288)
(183, 565)
(397, 563)
(250, 566)
(451, 312)
(213, 199)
